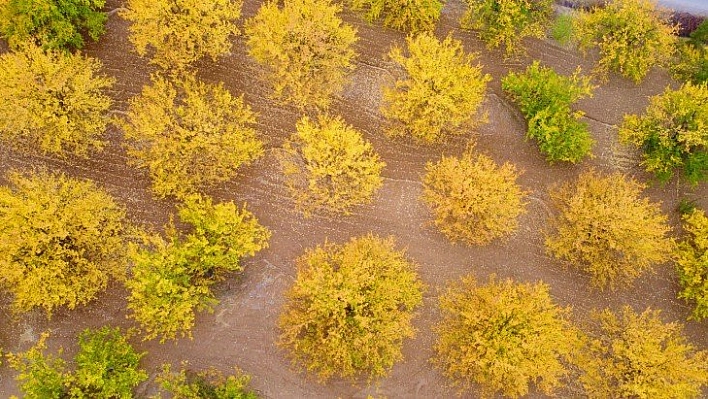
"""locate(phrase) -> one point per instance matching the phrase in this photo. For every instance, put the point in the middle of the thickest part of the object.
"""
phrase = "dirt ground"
(242, 330)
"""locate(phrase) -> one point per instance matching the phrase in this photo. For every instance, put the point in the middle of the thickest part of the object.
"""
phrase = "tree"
(673, 132)
(52, 101)
(172, 277)
(473, 199)
(180, 32)
(504, 336)
(61, 239)
(106, 368)
(506, 22)
(441, 93)
(407, 15)
(53, 24)
(604, 227)
(545, 99)
(189, 134)
(692, 262)
(330, 166)
(638, 356)
(210, 383)
(305, 49)
(632, 37)
(350, 308)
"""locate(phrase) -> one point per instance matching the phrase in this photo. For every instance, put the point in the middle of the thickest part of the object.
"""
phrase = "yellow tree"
(406, 15)
(692, 262)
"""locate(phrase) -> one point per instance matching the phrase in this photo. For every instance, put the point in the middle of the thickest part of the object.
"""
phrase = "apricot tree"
(406, 15)
(692, 262)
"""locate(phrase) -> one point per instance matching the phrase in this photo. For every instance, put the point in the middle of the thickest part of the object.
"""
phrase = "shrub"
(330, 166)
(53, 24)
(210, 384)
(631, 35)
(473, 199)
(305, 48)
(172, 277)
(106, 368)
(673, 132)
(691, 64)
(179, 32)
(503, 336)
(692, 262)
(52, 101)
(350, 308)
(507, 22)
(545, 99)
(605, 228)
(61, 240)
(638, 356)
(562, 29)
(406, 15)
(189, 134)
(441, 93)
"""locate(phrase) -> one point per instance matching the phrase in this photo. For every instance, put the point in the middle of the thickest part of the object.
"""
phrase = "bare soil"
(242, 330)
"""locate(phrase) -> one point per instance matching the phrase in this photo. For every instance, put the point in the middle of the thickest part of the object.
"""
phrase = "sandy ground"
(242, 329)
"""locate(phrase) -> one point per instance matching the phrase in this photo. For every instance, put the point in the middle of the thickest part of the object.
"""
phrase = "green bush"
(440, 94)
(350, 308)
(691, 64)
(172, 277)
(406, 15)
(504, 336)
(507, 22)
(545, 99)
(61, 240)
(106, 368)
(208, 384)
(673, 132)
(562, 29)
(692, 262)
(53, 24)
(52, 102)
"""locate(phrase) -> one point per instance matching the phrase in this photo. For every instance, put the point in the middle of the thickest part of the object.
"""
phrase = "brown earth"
(242, 329)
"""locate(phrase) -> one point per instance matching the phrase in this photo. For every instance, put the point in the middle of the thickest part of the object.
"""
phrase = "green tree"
(692, 262)
(210, 383)
(330, 166)
(506, 22)
(440, 94)
(52, 102)
(673, 132)
(604, 227)
(61, 240)
(180, 32)
(189, 134)
(546, 100)
(53, 24)
(638, 356)
(473, 199)
(106, 368)
(350, 308)
(504, 336)
(172, 277)
(406, 15)
(632, 36)
(305, 48)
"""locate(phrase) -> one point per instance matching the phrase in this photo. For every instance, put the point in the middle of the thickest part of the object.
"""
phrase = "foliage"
(632, 37)
(305, 48)
(211, 384)
(545, 99)
(441, 93)
(692, 262)
(407, 15)
(604, 227)
(53, 24)
(638, 356)
(172, 276)
(179, 32)
(562, 29)
(506, 22)
(52, 101)
(474, 200)
(673, 132)
(350, 308)
(106, 368)
(329, 165)
(503, 336)
(692, 63)
(189, 134)
(60, 241)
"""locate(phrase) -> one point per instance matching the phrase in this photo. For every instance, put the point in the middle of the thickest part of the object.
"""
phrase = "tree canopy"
(692, 262)
(407, 15)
